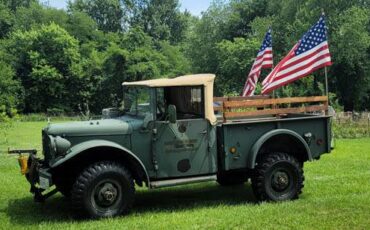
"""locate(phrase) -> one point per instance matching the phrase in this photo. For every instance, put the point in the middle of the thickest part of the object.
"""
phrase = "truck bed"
(245, 133)
(236, 128)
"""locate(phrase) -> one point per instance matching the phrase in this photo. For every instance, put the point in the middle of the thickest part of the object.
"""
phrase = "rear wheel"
(278, 177)
(104, 189)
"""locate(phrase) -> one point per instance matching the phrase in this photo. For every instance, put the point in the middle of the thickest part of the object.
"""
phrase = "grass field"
(336, 196)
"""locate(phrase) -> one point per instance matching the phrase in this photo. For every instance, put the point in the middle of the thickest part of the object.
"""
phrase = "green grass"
(336, 196)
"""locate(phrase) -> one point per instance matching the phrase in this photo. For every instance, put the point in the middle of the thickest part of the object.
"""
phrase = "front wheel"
(104, 189)
(278, 177)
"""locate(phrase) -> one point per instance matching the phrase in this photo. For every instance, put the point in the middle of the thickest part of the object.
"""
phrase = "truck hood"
(119, 126)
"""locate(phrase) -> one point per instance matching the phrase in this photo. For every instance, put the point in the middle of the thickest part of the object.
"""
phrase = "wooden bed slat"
(263, 102)
(235, 107)
(305, 109)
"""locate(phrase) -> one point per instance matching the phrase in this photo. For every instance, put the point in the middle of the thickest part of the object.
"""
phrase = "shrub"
(350, 128)
(6, 122)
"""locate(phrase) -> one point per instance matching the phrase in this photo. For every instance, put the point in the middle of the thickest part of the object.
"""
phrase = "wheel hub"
(106, 194)
(280, 181)
(109, 196)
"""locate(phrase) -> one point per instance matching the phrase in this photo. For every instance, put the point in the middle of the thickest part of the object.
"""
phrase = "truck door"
(181, 148)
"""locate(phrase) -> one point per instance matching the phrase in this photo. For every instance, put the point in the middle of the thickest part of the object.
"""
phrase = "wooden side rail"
(220, 100)
(239, 98)
(264, 102)
(276, 106)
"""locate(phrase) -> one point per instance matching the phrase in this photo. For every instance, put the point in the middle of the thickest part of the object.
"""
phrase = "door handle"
(203, 132)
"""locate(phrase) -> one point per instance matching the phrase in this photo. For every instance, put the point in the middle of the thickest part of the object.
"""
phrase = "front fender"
(251, 160)
(75, 150)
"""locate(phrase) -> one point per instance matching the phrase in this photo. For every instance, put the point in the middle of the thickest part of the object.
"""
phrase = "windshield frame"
(128, 91)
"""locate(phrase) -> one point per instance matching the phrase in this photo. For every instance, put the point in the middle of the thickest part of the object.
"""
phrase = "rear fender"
(252, 157)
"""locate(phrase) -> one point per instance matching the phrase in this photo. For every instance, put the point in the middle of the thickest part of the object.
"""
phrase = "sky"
(194, 6)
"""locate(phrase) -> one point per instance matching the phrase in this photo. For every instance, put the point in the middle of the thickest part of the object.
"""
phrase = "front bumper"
(36, 173)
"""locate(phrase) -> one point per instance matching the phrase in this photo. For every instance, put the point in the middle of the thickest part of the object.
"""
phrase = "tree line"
(74, 60)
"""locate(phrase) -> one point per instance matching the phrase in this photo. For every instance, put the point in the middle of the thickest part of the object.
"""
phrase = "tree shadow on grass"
(26, 212)
(191, 197)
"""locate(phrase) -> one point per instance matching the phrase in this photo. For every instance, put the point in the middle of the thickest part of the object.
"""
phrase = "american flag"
(263, 60)
(309, 54)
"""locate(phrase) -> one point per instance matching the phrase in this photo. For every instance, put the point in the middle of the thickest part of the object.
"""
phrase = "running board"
(181, 181)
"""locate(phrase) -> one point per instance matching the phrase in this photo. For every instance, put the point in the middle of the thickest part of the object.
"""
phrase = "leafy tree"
(82, 27)
(107, 14)
(14, 4)
(215, 37)
(235, 59)
(136, 38)
(351, 61)
(77, 59)
(92, 65)
(241, 14)
(36, 15)
(114, 73)
(6, 20)
(135, 57)
(48, 67)
(178, 64)
(201, 42)
(10, 89)
(10, 99)
(162, 20)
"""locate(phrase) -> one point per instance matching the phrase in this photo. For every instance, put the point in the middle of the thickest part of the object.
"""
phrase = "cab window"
(187, 99)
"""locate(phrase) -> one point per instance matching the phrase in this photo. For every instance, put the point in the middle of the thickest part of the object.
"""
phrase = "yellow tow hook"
(23, 163)
(23, 158)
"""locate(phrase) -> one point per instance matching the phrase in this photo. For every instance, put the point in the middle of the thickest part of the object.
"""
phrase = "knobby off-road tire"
(104, 189)
(278, 177)
(231, 178)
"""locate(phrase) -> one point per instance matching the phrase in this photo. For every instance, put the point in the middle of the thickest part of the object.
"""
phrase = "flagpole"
(326, 82)
(273, 92)
(326, 72)
(272, 68)
(273, 106)
(325, 69)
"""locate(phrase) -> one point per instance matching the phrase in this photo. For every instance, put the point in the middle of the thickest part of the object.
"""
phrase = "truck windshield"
(137, 101)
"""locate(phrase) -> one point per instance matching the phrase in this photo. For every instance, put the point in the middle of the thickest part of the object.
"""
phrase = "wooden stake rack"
(244, 107)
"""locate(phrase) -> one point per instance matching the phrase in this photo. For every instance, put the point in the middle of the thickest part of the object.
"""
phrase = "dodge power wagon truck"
(167, 134)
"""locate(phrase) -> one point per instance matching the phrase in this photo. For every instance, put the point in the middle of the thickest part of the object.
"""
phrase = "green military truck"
(167, 134)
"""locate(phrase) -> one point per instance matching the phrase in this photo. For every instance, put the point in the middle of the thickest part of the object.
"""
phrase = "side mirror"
(172, 114)
(110, 113)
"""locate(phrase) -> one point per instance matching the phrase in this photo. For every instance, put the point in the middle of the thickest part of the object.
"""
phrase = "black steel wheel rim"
(281, 181)
(106, 196)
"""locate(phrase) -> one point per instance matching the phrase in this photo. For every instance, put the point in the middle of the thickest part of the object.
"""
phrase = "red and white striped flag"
(309, 54)
(263, 60)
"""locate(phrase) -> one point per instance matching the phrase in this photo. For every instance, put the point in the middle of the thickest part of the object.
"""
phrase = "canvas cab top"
(205, 80)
